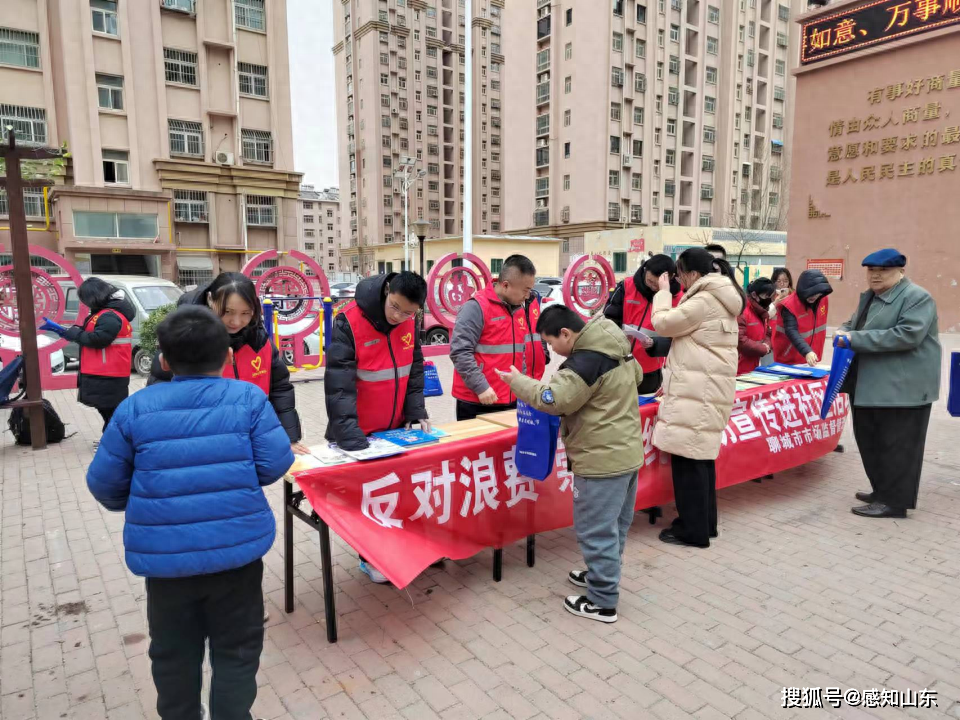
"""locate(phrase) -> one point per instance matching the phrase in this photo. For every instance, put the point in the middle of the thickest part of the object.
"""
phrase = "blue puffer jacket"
(187, 461)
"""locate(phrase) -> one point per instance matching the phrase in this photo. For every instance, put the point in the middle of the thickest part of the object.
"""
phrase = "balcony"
(543, 157)
(543, 27)
(541, 217)
(543, 93)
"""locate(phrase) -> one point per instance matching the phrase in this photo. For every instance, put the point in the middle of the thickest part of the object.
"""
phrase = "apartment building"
(176, 114)
(400, 77)
(320, 216)
(647, 112)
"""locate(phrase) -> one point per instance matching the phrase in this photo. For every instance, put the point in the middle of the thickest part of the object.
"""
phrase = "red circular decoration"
(587, 284)
(49, 299)
(447, 291)
(286, 281)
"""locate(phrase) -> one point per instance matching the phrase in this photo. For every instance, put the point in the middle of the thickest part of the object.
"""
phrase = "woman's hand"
(812, 359)
(664, 282)
(646, 342)
(425, 425)
(299, 449)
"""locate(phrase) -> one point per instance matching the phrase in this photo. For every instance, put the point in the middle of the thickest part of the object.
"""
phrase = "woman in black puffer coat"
(233, 297)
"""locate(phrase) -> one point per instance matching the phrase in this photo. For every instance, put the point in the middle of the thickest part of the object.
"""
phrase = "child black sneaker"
(578, 578)
(580, 605)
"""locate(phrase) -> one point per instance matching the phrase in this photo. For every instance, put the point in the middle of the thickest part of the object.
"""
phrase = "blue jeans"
(603, 510)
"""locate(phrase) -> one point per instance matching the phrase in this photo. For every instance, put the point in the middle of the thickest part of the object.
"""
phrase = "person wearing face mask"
(801, 332)
(699, 387)
(894, 380)
(754, 327)
(631, 307)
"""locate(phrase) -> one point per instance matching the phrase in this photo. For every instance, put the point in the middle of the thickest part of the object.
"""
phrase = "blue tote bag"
(953, 401)
(431, 380)
(536, 441)
(842, 360)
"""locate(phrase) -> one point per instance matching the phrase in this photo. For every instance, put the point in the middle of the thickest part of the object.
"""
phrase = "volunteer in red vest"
(755, 341)
(105, 338)
(233, 297)
(495, 329)
(374, 372)
(801, 331)
(631, 307)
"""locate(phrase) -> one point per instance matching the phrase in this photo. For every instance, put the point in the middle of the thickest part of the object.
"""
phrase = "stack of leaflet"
(759, 379)
(795, 371)
(410, 438)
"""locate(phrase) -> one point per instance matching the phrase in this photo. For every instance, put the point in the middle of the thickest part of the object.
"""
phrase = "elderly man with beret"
(893, 382)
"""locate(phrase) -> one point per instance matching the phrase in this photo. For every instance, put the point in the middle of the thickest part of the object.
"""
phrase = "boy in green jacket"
(595, 393)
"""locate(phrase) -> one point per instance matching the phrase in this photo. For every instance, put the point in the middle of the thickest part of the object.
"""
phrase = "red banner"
(455, 499)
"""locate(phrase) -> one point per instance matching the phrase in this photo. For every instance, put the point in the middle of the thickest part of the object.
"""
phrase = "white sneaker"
(372, 573)
(580, 605)
(578, 578)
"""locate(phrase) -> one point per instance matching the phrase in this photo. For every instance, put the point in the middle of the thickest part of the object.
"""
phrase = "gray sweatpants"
(602, 513)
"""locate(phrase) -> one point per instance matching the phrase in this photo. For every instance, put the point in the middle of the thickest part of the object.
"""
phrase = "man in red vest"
(754, 341)
(631, 307)
(802, 328)
(374, 367)
(495, 329)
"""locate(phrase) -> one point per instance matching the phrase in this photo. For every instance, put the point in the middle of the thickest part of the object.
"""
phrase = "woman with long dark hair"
(105, 338)
(233, 297)
(699, 385)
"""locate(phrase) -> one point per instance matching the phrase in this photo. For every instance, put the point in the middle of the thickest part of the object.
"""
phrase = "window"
(566, 182)
(713, 14)
(669, 188)
(777, 120)
(116, 167)
(708, 163)
(115, 225)
(619, 258)
(543, 60)
(618, 42)
(783, 12)
(32, 203)
(706, 220)
(671, 127)
(660, 36)
(543, 124)
(186, 138)
(641, 13)
(19, 48)
(706, 192)
(615, 109)
(781, 40)
(656, 168)
(673, 96)
(659, 104)
(253, 79)
(779, 93)
(109, 92)
(638, 148)
(30, 124)
(614, 180)
(670, 159)
(636, 181)
(668, 217)
(616, 77)
(736, 121)
(180, 66)
(104, 14)
(385, 78)
(656, 199)
(613, 214)
(781, 67)
(618, 8)
(638, 116)
(568, 51)
(711, 75)
(709, 134)
(713, 45)
(674, 65)
(250, 14)
(569, 17)
(567, 83)
(750, 58)
(190, 206)
(614, 144)
(566, 150)
(257, 146)
(641, 48)
(660, 70)
(566, 118)
(709, 104)
(639, 82)
(261, 210)
(752, 28)
(542, 187)
(674, 33)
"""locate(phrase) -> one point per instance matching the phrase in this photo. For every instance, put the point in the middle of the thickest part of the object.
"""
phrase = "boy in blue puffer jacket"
(187, 460)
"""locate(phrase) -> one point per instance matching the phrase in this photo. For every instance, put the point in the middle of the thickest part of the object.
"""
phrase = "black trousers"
(106, 414)
(651, 382)
(695, 493)
(227, 609)
(469, 411)
(891, 442)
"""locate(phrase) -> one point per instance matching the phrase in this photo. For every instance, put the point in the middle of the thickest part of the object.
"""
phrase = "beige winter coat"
(699, 379)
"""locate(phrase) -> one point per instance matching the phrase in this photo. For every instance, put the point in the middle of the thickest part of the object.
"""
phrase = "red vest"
(383, 370)
(811, 324)
(113, 360)
(638, 313)
(504, 341)
(252, 367)
(756, 330)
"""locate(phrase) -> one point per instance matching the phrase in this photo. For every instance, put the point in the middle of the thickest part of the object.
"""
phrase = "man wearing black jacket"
(374, 366)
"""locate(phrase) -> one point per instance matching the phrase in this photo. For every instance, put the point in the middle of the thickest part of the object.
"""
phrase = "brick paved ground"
(796, 592)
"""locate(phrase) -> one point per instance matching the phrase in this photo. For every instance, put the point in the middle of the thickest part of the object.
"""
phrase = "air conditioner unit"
(224, 158)
(541, 204)
(394, 112)
(627, 161)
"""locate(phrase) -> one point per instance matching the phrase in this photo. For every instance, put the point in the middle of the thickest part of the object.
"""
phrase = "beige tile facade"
(400, 87)
(646, 112)
(177, 117)
(321, 233)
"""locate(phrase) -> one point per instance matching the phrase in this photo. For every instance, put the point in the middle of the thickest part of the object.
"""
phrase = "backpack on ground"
(19, 424)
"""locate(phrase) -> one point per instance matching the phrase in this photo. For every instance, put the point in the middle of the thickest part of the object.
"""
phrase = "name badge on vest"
(371, 342)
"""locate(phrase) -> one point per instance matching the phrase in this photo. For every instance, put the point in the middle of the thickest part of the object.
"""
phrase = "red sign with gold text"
(872, 24)
(453, 500)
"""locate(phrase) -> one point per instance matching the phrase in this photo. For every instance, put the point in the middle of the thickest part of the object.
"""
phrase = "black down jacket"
(95, 390)
(340, 377)
(282, 395)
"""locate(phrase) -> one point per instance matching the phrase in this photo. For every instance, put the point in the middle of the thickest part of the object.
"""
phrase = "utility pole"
(468, 132)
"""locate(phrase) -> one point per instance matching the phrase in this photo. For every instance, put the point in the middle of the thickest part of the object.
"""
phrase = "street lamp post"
(408, 179)
(420, 229)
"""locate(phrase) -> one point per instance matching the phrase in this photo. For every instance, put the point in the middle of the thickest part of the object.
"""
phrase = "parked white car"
(57, 362)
